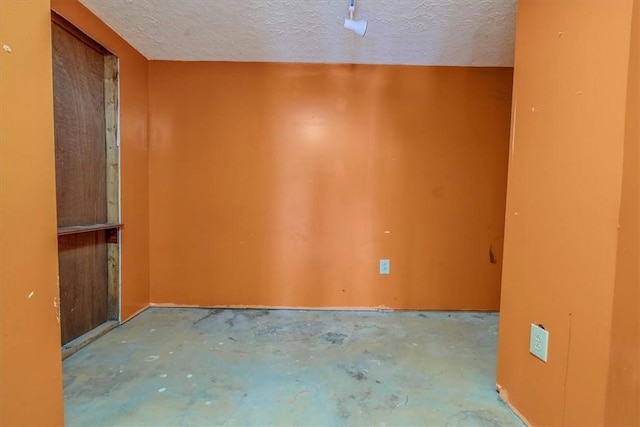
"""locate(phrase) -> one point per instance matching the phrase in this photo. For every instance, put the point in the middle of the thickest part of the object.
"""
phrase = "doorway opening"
(85, 89)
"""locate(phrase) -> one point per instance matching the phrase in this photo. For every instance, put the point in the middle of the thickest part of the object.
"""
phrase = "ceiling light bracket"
(357, 26)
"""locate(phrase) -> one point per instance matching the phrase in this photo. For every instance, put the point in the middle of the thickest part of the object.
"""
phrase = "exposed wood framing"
(78, 229)
(113, 180)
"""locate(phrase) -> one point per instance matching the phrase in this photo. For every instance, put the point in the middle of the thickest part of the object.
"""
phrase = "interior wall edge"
(563, 206)
(30, 365)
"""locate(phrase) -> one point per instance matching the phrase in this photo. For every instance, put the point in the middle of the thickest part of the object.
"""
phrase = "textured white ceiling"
(420, 32)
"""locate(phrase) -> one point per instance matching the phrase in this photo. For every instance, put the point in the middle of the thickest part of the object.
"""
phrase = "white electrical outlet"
(539, 342)
(385, 266)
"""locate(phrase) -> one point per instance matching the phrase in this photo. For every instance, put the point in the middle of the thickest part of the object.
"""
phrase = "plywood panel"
(81, 181)
(83, 290)
(78, 81)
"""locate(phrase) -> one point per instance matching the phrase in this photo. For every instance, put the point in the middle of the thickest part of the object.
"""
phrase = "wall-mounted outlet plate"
(539, 342)
(385, 266)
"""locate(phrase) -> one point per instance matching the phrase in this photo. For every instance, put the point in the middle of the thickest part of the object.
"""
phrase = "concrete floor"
(206, 367)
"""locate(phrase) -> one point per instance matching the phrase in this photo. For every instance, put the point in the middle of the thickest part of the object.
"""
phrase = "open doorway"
(85, 87)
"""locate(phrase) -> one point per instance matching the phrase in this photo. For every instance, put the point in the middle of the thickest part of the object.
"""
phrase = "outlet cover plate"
(385, 266)
(539, 342)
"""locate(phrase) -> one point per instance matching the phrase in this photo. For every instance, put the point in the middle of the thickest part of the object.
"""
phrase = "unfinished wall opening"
(85, 87)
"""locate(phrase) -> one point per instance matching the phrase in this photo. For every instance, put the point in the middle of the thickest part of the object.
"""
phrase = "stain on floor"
(201, 367)
(335, 338)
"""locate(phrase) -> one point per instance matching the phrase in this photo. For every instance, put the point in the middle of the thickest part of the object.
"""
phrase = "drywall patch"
(414, 32)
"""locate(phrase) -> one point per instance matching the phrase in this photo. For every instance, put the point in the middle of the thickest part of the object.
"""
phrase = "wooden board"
(79, 113)
(112, 179)
(83, 288)
(77, 229)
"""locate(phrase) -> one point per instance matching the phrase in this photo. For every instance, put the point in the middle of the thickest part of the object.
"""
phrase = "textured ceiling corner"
(415, 32)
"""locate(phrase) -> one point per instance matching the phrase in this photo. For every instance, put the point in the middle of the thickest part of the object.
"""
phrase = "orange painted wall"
(133, 75)
(284, 184)
(30, 367)
(563, 206)
(623, 380)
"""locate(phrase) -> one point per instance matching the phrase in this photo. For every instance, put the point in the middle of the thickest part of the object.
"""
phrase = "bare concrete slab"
(211, 367)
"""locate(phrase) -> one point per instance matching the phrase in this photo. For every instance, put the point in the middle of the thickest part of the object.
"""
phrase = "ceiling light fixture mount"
(357, 26)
